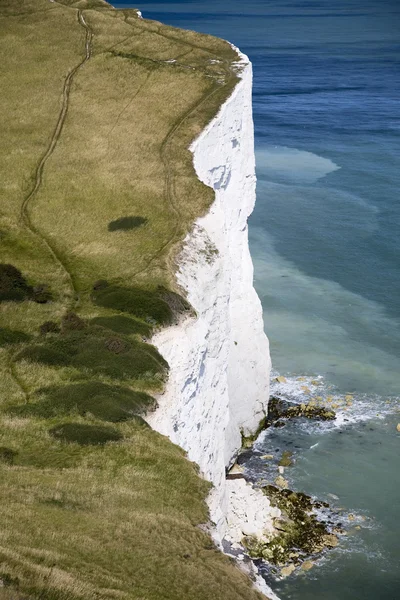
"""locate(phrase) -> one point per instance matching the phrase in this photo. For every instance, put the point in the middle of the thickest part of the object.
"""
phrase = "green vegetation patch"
(145, 304)
(10, 336)
(105, 402)
(13, 285)
(94, 350)
(124, 325)
(85, 435)
(7, 455)
(126, 223)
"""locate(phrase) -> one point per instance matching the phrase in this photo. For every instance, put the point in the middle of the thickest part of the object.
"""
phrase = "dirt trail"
(72, 297)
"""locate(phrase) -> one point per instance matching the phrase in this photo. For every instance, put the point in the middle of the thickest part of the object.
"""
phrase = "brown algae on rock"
(299, 532)
(286, 459)
(281, 409)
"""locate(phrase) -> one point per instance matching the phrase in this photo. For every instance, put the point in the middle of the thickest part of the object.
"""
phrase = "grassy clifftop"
(98, 108)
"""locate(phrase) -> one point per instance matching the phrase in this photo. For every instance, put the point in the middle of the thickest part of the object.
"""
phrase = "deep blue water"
(325, 244)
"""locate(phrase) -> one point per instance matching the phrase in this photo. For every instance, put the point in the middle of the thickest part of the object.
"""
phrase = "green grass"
(94, 351)
(85, 434)
(105, 402)
(98, 192)
(122, 324)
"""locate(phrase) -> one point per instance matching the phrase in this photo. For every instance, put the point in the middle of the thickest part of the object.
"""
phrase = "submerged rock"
(286, 459)
(286, 571)
(281, 482)
(307, 565)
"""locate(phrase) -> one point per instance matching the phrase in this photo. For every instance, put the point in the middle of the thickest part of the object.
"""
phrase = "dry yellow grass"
(96, 122)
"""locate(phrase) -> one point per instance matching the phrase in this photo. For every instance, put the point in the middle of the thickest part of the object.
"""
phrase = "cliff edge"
(218, 385)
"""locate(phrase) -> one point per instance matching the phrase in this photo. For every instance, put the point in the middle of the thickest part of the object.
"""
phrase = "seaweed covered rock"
(279, 409)
(105, 402)
(85, 435)
(300, 533)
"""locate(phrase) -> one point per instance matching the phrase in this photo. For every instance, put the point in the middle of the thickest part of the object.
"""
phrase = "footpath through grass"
(97, 110)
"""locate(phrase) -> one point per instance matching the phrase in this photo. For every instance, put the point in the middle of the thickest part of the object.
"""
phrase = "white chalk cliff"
(219, 362)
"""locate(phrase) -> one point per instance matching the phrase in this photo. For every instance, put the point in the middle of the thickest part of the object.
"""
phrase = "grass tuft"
(7, 455)
(71, 322)
(9, 336)
(105, 402)
(85, 435)
(92, 350)
(145, 304)
(49, 327)
(124, 325)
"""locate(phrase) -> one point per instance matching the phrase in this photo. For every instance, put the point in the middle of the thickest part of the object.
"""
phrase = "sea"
(325, 242)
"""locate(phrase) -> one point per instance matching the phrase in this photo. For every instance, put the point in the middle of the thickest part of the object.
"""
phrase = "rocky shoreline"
(302, 528)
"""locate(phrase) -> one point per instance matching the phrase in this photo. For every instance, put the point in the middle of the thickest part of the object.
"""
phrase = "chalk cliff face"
(219, 362)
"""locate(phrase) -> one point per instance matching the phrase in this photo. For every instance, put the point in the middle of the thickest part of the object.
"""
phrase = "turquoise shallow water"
(325, 244)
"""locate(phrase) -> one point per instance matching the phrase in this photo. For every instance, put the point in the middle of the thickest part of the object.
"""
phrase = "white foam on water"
(350, 408)
(292, 165)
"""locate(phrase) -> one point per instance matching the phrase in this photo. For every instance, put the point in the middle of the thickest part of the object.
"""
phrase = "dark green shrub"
(8, 580)
(145, 304)
(71, 322)
(9, 336)
(85, 435)
(177, 303)
(125, 325)
(41, 294)
(13, 285)
(47, 355)
(90, 349)
(126, 223)
(117, 345)
(106, 402)
(7, 455)
(49, 327)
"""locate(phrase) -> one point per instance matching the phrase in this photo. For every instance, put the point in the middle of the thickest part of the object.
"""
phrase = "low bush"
(41, 294)
(106, 402)
(177, 303)
(124, 325)
(13, 285)
(126, 223)
(49, 327)
(145, 304)
(10, 336)
(85, 435)
(7, 455)
(71, 322)
(93, 350)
